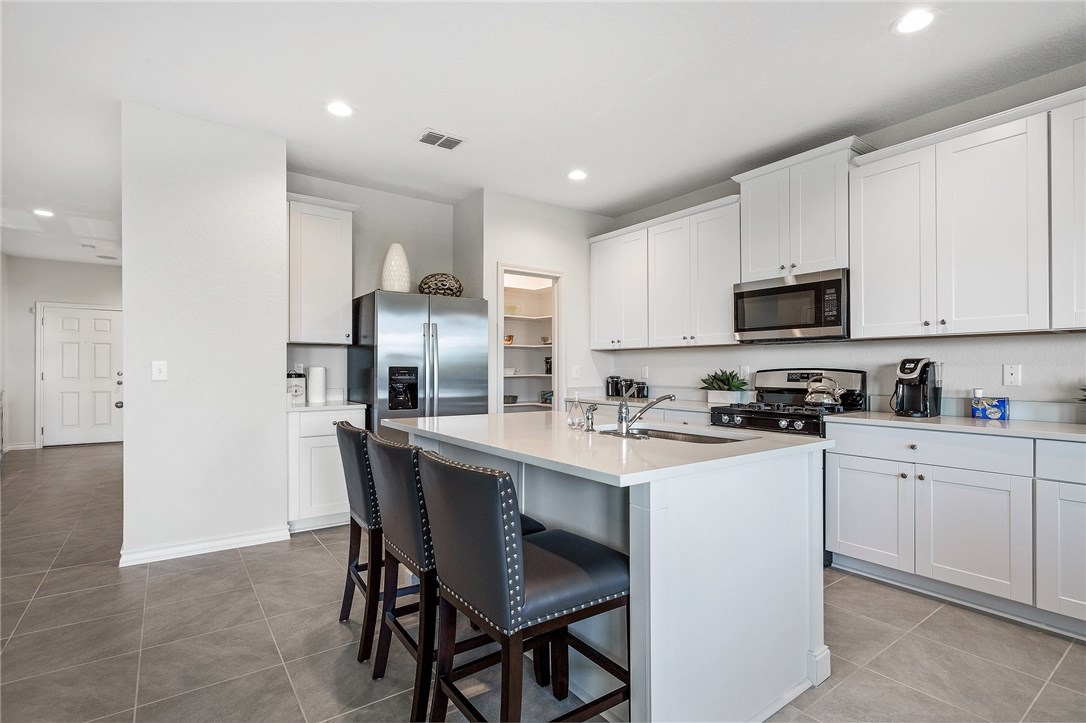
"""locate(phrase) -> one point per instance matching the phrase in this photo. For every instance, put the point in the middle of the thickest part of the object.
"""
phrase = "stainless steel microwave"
(793, 308)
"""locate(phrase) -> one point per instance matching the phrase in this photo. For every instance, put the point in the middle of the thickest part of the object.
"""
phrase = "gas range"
(781, 405)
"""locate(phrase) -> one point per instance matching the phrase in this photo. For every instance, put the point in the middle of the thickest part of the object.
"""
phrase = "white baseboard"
(199, 547)
(319, 523)
(16, 447)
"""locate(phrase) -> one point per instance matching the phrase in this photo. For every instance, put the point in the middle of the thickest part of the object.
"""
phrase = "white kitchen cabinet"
(317, 489)
(795, 212)
(321, 273)
(1068, 174)
(693, 263)
(869, 509)
(992, 228)
(975, 529)
(892, 238)
(619, 291)
(1060, 557)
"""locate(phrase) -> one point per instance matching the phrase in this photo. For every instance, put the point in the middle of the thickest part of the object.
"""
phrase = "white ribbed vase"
(396, 274)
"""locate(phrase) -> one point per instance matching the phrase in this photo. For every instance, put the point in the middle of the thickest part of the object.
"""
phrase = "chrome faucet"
(590, 417)
(625, 420)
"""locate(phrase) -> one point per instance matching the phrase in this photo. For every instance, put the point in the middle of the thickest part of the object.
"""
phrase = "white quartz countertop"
(1060, 431)
(542, 439)
(338, 404)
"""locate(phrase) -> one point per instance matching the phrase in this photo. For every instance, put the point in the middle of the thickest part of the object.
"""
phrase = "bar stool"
(365, 515)
(521, 591)
(406, 529)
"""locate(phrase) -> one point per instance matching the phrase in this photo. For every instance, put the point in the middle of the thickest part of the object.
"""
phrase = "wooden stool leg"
(446, 644)
(373, 594)
(541, 665)
(392, 570)
(512, 676)
(560, 664)
(352, 560)
(424, 661)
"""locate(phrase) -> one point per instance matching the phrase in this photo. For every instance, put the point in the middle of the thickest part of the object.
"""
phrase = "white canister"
(318, 385)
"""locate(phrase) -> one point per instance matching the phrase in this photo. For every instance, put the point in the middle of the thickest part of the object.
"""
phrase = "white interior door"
(81, 375)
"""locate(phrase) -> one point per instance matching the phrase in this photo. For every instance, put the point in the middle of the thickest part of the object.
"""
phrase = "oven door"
(802, 307)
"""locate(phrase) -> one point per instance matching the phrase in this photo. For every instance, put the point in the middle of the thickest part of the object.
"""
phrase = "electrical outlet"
(744, 371)
(158, 371)
(1012, 375)
(645, 371)
(575, 371)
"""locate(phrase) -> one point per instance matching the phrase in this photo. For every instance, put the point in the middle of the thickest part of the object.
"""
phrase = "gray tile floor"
(253, 635)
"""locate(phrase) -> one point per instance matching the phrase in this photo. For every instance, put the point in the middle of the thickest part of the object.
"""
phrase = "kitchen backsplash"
(334, 358)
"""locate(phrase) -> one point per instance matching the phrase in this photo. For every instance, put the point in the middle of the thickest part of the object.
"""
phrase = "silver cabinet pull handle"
(119, 405)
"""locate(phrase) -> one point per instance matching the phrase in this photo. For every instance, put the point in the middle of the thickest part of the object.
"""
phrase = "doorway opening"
(529, 339)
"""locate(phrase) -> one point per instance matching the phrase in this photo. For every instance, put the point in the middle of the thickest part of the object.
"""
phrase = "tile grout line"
(1048, 680)
(275, 642)
(926, 695)
(209, 685)
(139, 658)
(367, 705)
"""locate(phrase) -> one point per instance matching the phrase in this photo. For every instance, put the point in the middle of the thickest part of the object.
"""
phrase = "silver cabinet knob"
(348, 336)
(692, 337)
(793, 266)
(904, 476)
(943, 322)
(782, 267)
(920, 477)
(119, 382)
(120, 374)
(119, 405)
(927, 323)
(684, 338)
(912, 446)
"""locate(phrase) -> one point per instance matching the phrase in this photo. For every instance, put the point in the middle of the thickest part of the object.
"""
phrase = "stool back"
(356, 470)
(475, 523)
(404, 521)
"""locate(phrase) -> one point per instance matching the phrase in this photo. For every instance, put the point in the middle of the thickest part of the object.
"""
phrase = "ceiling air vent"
(439, 139)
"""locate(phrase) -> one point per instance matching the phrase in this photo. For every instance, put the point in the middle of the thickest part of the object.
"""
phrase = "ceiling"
(652, 100)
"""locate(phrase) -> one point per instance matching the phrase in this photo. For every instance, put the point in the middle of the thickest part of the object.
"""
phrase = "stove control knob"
(798, 424)
(783, 424)
(724, 418)
(737, 419)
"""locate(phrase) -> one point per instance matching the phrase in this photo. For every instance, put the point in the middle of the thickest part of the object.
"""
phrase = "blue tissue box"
(991, 407)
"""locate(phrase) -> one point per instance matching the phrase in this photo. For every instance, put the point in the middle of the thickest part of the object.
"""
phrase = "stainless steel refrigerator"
(416, 355)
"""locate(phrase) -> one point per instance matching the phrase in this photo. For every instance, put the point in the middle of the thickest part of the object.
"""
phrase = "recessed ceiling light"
(577, 175)
(43, 212)
(338, 107)
(912, 21)
(107, 258)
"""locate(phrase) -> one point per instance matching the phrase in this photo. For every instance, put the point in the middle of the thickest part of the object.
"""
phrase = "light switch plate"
(575, 371)
(644, 371)
(158, 371)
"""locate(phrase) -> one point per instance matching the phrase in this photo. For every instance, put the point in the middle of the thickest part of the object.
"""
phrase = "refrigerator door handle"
(426, 365)
(435, 362)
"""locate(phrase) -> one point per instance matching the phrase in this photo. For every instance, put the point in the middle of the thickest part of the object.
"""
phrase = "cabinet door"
(818, 214)
(321, 274)
(869, 510)
(975, 529)
(670, 279)
(992, 228)
(714, 267)
(1069, 216)
(619, 292)
(764, 233)
(893, 246)
(322, 489)
(1061, 548)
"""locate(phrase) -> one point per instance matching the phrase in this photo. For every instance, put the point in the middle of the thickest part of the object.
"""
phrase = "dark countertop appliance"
(919, 389)
(417, 355)
(803, 307)
(781, 400)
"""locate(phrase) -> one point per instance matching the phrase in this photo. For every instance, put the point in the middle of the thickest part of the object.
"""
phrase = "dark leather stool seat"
(524, 592)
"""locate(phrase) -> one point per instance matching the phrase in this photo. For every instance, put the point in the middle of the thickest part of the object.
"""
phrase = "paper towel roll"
(318, 384)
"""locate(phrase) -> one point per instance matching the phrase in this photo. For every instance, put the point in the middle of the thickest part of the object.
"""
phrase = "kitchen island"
(725, 543)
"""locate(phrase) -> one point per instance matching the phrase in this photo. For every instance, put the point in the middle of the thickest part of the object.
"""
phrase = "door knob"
(119, 405)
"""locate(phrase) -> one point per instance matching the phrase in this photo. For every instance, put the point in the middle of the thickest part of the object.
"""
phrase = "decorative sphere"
(441, 285)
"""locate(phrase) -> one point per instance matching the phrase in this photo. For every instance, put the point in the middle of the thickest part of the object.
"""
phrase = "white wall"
(468, 243)
(204, 269)
(27, 281)
(522, 232)
(423, 228)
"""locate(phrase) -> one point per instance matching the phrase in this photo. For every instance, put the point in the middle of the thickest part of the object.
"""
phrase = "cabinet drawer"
(1063, 461)
(318, 424)
(1008, 455)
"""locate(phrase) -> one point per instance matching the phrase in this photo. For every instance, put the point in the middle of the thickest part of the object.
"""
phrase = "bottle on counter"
(296, 385)
(575, 418)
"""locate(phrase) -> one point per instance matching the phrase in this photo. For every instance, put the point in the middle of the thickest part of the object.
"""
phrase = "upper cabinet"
(1068, 174)
(693, 263)
(618, 291)
(321, 271)
(795, 212)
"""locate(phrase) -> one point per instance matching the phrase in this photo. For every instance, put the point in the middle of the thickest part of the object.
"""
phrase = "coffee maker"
(919, 391)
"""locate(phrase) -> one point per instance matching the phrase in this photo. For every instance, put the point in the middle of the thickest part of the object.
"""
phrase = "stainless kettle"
(825, 391)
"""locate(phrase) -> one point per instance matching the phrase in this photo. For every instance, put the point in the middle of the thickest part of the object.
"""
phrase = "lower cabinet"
(1061, 528)
(318, 492)
(869, 510)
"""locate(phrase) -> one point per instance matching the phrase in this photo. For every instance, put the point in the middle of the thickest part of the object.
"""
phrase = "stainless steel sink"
(643, 433)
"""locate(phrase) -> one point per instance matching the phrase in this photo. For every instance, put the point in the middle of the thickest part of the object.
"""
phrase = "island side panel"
(818, 659)
(727, 561)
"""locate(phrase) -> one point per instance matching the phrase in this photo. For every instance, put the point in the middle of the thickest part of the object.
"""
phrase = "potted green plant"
(725, 387)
